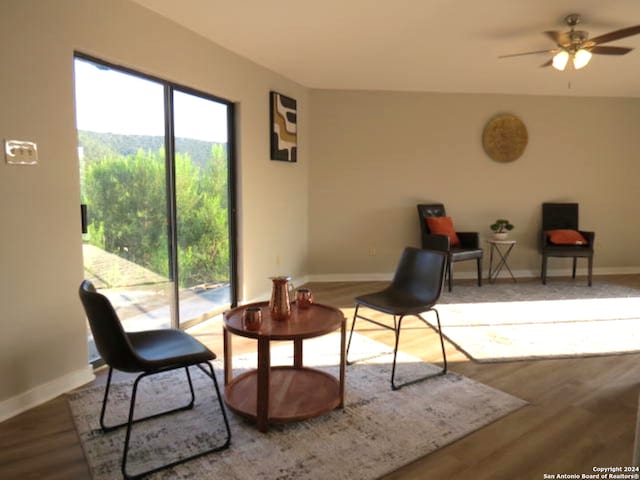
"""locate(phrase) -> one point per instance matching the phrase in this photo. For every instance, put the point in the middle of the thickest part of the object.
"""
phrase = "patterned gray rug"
(524, 321)
(378, 431)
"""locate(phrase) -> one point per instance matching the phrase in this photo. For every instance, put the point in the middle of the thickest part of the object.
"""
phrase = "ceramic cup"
(304, 297)
(252, 318)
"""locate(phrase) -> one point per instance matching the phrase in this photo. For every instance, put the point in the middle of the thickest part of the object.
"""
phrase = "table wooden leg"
(262, 401)
(228, 370)
(343, 336)
(297, 353)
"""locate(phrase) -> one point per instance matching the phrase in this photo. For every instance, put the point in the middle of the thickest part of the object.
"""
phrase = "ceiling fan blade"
(525, 53)
(616, 35)
(559, 38)
(548, 63)
(554, 35)
(610, 50)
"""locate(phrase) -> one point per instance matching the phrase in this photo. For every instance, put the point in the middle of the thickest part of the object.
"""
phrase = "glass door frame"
(169, 143)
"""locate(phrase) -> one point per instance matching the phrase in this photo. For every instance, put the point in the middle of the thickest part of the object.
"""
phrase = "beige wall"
(43, 337)
(376, 155)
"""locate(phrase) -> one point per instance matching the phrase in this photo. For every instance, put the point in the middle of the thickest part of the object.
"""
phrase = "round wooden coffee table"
(283, 393)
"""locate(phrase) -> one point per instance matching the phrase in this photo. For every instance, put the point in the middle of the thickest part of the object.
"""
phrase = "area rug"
(524, 321)
(378, 430)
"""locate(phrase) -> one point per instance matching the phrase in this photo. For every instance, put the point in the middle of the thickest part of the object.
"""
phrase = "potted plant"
(501, 228)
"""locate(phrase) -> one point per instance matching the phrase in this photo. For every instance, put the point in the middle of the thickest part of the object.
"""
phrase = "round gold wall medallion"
(505, 138)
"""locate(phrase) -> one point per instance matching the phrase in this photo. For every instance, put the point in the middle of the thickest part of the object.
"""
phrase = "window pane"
(202, 206)
(120, 121)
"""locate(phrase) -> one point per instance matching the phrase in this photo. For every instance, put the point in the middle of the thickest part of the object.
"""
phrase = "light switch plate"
(18, 152)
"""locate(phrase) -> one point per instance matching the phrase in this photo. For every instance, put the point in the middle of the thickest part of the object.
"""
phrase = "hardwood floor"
(581, 412)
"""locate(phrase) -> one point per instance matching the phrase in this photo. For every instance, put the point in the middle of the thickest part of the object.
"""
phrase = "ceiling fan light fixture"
(578, 45)
(560, 60)
(581, 58)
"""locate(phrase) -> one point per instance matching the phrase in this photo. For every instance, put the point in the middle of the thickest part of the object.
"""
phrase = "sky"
(110, 101)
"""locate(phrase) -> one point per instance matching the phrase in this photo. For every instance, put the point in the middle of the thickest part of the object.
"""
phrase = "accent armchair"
(560, 220)
(468, 249)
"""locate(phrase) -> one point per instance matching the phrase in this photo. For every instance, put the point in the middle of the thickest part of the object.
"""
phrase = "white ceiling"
(417, 45)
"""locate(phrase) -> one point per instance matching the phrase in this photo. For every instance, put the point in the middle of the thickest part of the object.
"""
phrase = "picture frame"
(283, 121)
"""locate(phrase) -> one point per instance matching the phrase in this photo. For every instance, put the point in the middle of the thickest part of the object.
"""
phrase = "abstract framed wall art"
(284, 128)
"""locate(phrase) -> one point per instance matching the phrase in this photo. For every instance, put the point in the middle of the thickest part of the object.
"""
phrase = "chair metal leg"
(397, 323)
(370, 320)
(543, 272)
(590, 269)
(394, 386)
(130, 421)
(395, 353)
(104, 404)
(450, 274)
(444, 355)
(128, 434)
(573, 273)
(353, 324)
(222, 409)
(109, 428)
(479, 262)
(193, 394)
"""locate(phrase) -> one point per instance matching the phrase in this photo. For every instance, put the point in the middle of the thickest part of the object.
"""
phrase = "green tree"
(203, 244)
(127, 204)
(126, 200)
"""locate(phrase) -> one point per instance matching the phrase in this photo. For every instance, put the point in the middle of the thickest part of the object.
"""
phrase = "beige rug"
(504, 322)
(378, 431)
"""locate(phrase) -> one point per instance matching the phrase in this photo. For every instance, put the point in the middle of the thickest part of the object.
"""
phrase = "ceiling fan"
(577, 45)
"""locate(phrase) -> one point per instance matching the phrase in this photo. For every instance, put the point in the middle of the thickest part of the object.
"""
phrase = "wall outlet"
(372, 251)
(277, 259)
(18, 152)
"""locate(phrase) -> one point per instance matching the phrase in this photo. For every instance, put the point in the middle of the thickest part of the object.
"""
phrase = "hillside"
(98, 145)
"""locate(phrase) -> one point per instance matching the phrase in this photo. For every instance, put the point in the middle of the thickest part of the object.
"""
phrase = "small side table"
(279, 394)
(502, 248)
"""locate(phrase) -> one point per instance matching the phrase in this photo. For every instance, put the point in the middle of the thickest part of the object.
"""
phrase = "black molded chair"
(415, 289)
(564, 216)
(469, 248)
(147, 353)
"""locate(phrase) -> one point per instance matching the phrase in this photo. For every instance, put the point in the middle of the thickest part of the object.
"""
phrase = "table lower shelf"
(294, 394)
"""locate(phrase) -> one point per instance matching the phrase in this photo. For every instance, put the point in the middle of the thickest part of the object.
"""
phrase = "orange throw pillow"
(443, 226)
(566, 237)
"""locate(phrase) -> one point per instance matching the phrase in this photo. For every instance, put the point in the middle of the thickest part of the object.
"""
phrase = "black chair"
(147, 353)
(564, 216)
(469, 248)
(415, 289)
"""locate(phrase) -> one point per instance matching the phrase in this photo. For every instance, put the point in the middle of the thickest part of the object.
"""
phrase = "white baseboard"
(563, 272)
(385, 277)
(351, 277)
(611, 271)
(43, 393)
(266, 295)
(299, 281)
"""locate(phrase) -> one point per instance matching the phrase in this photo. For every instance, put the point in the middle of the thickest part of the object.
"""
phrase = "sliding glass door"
(202, 205)
(156, 169)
